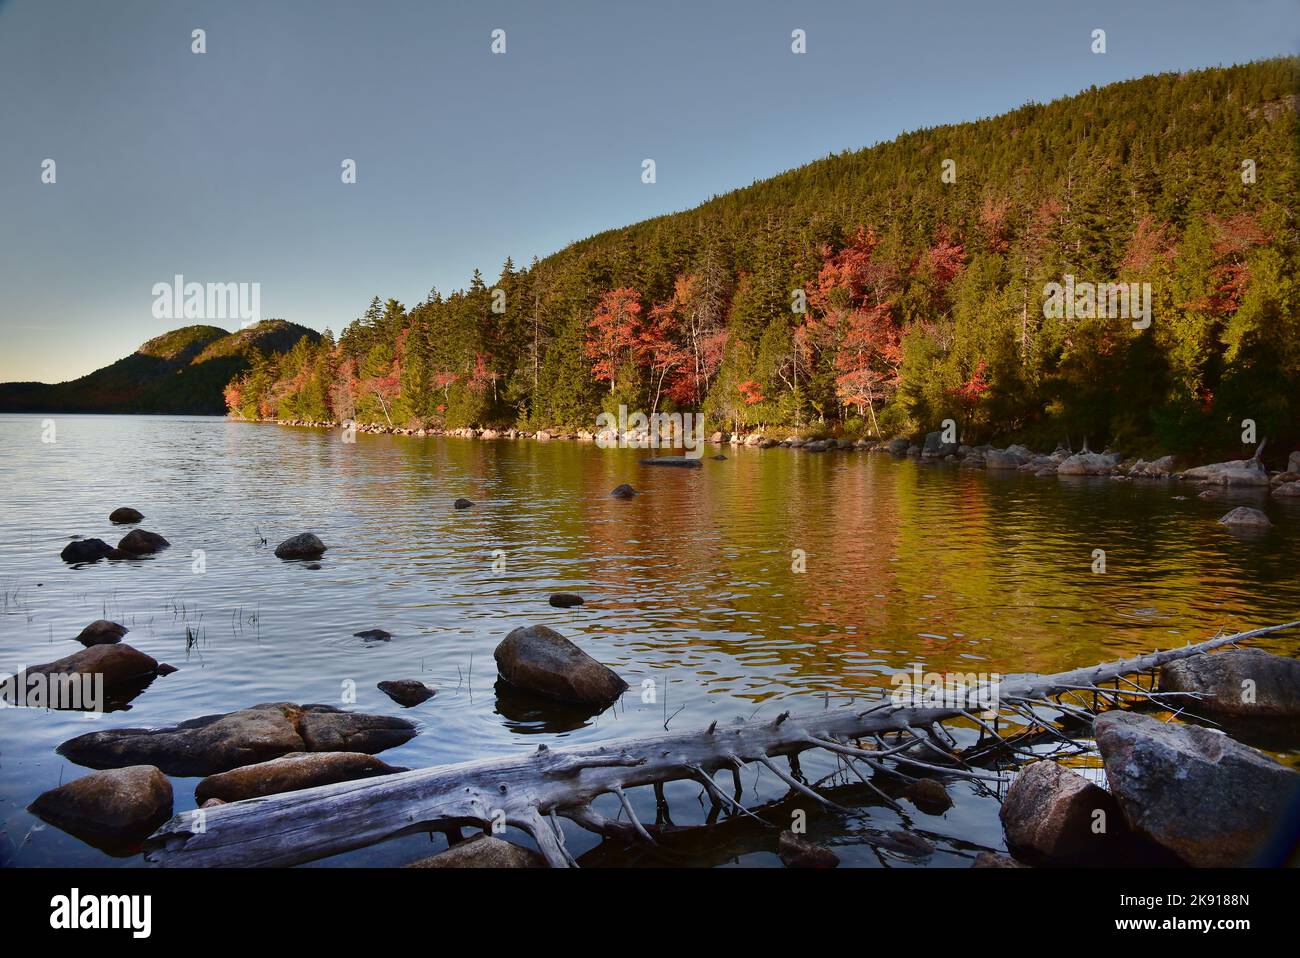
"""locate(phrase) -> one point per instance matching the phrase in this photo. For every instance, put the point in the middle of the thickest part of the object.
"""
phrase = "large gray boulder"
(1210, 800)
(1238, 472)
(1240, 683)
(1293, 462)
(482, 851)
(1088, 464)
(289, 773)
(897, 447)
(218, 743)
(538, 659)
(1002, 459)
(121, 806)
(305, 545)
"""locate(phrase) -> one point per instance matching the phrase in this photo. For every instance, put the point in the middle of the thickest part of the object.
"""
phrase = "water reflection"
(691, 584)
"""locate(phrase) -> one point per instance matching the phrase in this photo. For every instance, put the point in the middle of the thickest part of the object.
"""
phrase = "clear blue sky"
(225, 167)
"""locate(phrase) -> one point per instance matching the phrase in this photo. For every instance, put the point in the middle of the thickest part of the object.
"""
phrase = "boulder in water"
(796, 852)
(623, 492)
(1246, 517)
(1238, 472)
(141, 542)
(538, 659)
(289, 773)
(482, 851)
(463, 504)
(102, 632)
(218, 743)
(120, 666)
(1239, 683)
(1206, 798)
(406, 692)
(305, 545)
(566, 600)
(125, 514)
(121, 806)
(88, 550)
(683, 462)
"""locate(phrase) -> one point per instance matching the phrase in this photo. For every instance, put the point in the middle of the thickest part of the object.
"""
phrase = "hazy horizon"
(225, 166)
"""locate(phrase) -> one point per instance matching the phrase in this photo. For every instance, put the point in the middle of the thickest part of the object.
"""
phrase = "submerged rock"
(685, 462)
(118, 807)
(124, 514)
(141, 542)
(463, 504)
(218, 743)
(482, 851)
(928, 795)
(373, 635)
(1210, 800)
(289, 773)
(1239, 683)
(305, 545)
(623, 492)
(796, 852)
(406, 692)
(541, 660)
(88, 550)
(994, 860)
(1287, 490)
(1246, 516)
(102, 632)
(566, 600)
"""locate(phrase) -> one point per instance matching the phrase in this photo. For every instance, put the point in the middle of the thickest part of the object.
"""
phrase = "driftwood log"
(529, 791)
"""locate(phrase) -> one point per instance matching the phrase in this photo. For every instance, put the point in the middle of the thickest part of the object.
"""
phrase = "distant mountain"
(180, 372)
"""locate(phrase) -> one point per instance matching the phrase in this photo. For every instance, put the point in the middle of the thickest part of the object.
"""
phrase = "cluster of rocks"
(1178, 793)
(263, 750)
(133, 545)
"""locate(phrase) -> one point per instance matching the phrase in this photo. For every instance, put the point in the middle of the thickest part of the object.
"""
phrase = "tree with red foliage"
(969, 393)
(612, 334)
(657, 342)
(750, 392)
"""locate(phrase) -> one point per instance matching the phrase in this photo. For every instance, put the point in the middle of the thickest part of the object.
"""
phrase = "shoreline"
(1241, 474)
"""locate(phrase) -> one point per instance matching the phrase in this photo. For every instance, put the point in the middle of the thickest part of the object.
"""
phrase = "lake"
(691, 585)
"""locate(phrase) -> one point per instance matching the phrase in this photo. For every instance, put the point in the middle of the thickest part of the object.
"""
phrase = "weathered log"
(528, 791)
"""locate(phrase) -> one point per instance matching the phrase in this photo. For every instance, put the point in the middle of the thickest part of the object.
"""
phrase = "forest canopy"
(879, 292)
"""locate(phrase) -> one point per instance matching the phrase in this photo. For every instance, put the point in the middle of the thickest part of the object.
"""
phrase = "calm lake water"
(689, 584)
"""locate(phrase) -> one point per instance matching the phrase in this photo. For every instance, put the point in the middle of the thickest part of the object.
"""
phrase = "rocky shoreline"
(1240, 473)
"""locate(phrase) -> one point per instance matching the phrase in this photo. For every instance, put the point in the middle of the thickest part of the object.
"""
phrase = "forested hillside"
(181, 372)
(868, 293)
